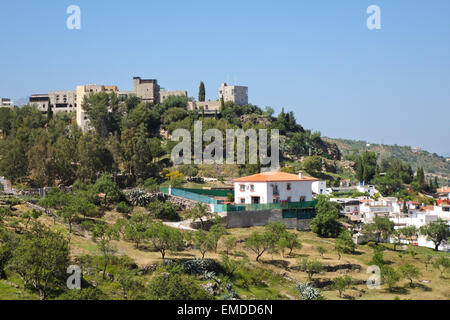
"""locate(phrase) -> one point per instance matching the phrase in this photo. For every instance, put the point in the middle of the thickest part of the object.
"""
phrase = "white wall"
(264, 190)
(319, 187)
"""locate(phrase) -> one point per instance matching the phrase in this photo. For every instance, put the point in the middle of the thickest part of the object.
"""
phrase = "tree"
(230, 244)
(33, 214)
(163, 210)
(437, 231)
(428, 261)
(420, 179)
(341, 284)
(311, 267)
(69, 212)
(8, 241)
(410, 272)
(108, 187)
(377, 258)
(442, 264)
(407, 232)
(382, 227)
(200, 212)
(366, 166)
(215, 233)
(201, 92)
(321, 250)
(101, 109)
(41, 259)
(164, 238)
(136, 228)
(312, 164)
(405, 208)
(13, 160)
(258, 243)
(344, 243)
(93, 157)
(49, 112)
(102, 235)
(326, 223)
(203, 242)
(390, 276)
(289, 240)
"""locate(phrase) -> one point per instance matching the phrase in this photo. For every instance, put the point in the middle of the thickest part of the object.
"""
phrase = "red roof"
(445, 189)
(277, 176)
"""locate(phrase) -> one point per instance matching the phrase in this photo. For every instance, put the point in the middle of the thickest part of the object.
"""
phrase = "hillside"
(433, 164)
(274, 277)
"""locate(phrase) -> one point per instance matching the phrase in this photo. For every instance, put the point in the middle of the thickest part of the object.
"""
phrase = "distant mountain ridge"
(432, 163)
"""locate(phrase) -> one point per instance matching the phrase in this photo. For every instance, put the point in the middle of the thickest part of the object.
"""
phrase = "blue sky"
(316, 58)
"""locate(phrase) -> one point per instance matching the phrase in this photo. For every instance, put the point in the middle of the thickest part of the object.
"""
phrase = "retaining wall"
(246, 219)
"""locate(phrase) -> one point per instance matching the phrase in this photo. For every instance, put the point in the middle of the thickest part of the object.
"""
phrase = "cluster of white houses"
(281, 187)
(364, 209)
(147, 90)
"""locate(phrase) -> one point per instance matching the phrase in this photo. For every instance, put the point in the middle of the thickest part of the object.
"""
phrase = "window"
(302, 198)
(242, 200)
(288, 186)
(252, 187)
(289, 199)
(276, 200)
(242, 187)
(275, 190)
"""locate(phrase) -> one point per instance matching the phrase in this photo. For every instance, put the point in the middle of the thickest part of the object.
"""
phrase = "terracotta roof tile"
(277, 176)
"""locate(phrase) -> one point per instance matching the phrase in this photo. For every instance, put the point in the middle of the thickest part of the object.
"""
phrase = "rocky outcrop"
(183, 203)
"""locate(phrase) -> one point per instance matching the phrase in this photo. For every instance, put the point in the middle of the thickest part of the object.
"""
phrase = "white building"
(444, 192)
(370, 189)
(319, 187)
(350, 206)
(6, 103)
(370, 209)
(273, 187)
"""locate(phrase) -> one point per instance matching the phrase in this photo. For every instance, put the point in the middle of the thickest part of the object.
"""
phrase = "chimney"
(300, 175)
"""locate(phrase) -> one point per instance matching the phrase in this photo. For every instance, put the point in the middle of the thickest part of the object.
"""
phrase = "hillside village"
(93, 165)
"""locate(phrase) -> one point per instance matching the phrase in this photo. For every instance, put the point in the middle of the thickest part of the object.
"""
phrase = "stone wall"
(246, 219)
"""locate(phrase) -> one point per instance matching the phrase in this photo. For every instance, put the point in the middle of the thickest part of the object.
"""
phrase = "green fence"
(164, 190)
(270, 206)
(300, 215)
(213, 193)
(205, 192)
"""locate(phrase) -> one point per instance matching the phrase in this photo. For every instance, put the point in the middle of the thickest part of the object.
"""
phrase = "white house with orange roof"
(273, 187)
(444, 192)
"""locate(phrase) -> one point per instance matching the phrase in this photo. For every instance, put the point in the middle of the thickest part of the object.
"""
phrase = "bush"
(163, 211)
(138, 197)
(122, 207)
(200, 266)
(307, 292)
(91, 293)
(88, 225)
(174, 286)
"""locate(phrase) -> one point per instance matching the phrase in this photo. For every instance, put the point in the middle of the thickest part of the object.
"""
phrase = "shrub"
(307, 292)
(200, 266)
(163, 211)
(138, 197)
(174, 286)
(122, 207)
